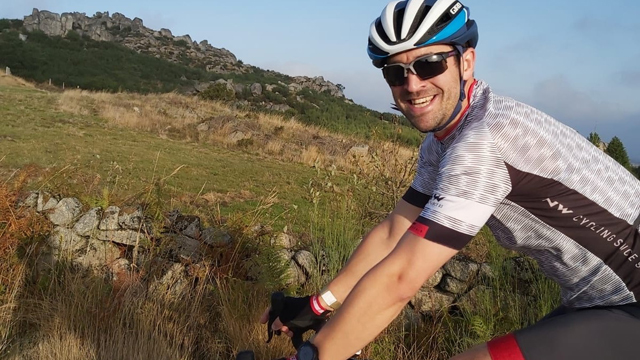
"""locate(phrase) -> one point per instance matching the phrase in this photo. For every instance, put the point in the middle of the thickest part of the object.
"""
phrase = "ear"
(468, 63)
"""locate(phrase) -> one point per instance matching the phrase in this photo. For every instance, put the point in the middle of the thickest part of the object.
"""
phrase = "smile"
(421, 102)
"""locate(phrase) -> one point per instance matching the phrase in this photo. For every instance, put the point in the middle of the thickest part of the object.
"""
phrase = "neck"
(465, 104)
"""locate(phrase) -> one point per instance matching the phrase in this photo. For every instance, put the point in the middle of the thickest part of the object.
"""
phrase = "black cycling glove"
(301, 314)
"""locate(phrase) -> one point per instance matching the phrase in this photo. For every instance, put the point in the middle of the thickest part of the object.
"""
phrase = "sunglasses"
(424, 67)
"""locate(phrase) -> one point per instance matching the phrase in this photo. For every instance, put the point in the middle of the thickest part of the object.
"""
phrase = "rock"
(485, 271)
(166, 33)
(203, 127)
(124, 237)
(434, 280)
(278, 107)
(188, 225)
(65, 240)
(430, 300)
(110, 219)
(284, 241)
(215, 237)
(173, 284)
(88, 222)
(131, 218)
(453, 285)
(461, 269)
(119, 269)
(185, 38)
(256, 89)
(50, 204)
(307, 262)
(359, 150)
(294, 276)
(98, 255)
(31, 201)
(236, 136)
(475, 298)
(187, 247)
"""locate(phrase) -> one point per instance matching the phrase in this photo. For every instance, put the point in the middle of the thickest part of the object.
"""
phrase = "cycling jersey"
(542, 189)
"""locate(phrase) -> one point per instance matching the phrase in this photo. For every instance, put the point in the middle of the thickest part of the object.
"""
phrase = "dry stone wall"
(97, 240)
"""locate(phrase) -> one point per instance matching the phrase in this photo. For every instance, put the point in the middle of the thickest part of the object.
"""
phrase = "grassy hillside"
(171, 151)
(75, 61)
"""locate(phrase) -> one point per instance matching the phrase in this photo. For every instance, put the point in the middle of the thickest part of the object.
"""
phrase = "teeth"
(422, 101)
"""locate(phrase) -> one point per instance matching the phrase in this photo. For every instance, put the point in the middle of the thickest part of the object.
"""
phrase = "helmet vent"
(418, 19)
(383, 34)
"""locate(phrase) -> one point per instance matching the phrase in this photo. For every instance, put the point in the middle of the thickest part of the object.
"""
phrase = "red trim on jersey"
(419, 229)
(505, 348)
(464, 112)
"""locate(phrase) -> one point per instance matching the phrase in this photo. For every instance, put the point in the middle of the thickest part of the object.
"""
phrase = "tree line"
(615, 148)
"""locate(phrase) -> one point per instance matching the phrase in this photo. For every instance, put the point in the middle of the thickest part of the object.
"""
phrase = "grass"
(123, 149)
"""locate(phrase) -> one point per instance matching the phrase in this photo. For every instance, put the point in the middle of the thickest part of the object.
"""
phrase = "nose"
(413, 83)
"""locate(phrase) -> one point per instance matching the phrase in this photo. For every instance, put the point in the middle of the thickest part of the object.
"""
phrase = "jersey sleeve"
(426, 173)
(469, 182)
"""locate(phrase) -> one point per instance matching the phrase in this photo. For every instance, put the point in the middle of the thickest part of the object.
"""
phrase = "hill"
(114, 53)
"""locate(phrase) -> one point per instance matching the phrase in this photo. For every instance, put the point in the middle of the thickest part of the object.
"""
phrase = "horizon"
(588, 80)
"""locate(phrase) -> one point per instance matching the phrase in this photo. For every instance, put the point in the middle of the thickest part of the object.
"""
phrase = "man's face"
(429, 103)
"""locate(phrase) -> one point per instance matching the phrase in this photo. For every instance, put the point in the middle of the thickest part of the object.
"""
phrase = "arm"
(375, 246)
(380, 296)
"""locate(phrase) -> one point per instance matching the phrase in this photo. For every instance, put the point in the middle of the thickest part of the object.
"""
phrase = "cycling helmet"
(410, 24)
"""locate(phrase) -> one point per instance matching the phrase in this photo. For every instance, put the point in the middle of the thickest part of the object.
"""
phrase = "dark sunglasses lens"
(426, 70)
(394, 74)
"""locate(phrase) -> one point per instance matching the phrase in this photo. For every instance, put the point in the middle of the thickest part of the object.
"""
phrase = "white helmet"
(409, 24)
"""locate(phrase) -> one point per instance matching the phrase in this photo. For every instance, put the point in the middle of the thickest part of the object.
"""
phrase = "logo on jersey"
(562, 208)
(437, 197)
(454, 10)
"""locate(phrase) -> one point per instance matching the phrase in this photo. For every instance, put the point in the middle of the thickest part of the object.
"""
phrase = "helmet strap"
(463, 96)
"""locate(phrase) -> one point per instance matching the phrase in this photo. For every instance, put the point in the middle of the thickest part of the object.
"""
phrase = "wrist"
(318, 305)
(328, 300)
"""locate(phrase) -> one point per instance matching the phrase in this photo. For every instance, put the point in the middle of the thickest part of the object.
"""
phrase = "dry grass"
(13, 81)
(175, 116)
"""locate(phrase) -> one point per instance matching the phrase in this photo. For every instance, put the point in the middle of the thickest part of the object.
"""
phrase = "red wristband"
(316, 305)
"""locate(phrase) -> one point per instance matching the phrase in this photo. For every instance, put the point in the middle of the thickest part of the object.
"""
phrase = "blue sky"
(576, 60)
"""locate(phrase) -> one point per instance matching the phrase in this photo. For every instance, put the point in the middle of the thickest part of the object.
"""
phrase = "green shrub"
(219, 92)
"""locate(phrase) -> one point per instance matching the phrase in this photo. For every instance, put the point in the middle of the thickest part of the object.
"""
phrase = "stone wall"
(102, 241)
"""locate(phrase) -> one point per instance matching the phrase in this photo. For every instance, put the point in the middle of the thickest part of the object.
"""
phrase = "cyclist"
(540, 186)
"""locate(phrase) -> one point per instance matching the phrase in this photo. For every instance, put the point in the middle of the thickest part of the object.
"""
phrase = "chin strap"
(463, 96)
(455, 112)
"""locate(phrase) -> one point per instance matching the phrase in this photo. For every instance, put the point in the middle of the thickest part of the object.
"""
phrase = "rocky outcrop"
(134, 35)
(163, 44)
(317, 83)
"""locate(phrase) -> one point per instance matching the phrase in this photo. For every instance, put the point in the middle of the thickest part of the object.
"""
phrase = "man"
(541, 188)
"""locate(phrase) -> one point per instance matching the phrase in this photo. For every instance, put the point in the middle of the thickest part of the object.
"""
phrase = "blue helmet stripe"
(454, 26)
(372, 55)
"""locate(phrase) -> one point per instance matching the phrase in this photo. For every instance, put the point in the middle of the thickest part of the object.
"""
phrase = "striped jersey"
(542, 189)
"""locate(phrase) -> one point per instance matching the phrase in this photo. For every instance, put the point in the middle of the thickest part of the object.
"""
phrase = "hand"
(277, 324)
(297, 316)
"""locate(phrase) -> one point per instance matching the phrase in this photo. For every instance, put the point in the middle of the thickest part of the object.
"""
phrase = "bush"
(219, 92)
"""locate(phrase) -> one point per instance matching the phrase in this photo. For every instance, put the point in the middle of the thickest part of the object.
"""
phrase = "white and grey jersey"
(542, 188)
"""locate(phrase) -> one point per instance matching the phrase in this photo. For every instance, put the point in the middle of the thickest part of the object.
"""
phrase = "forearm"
(374, 302)
(375, 246)
(380, 296)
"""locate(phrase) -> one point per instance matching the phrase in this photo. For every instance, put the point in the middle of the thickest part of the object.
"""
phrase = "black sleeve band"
(437, 233)
(416, 198)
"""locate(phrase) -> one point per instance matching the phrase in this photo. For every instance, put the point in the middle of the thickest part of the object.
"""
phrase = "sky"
(576, 60)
